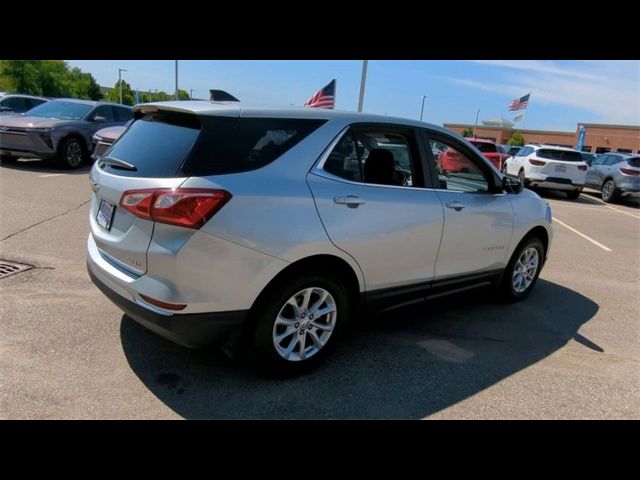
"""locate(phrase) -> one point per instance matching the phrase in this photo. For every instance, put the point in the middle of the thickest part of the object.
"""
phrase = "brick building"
(600, 138)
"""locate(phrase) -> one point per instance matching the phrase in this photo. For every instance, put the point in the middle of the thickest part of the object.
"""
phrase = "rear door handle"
(351, 201)
(457, 206)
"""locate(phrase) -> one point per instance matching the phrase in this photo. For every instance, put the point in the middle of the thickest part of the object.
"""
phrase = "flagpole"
(363, 80)
(476, 124)
(524, 120)
(335, 93)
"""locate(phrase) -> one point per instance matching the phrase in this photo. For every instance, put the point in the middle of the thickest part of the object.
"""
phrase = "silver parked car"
(615, 175)
(213, 221)
(59, 129)
(13, 104)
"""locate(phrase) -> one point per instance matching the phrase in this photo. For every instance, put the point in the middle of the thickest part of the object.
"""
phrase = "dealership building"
(599, 138)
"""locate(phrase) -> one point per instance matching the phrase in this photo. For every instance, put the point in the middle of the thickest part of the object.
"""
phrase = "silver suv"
(213, 221)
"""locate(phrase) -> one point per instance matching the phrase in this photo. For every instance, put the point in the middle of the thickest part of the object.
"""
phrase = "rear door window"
(168, 144)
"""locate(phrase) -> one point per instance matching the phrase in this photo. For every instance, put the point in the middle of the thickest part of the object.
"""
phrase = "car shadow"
(408, 363)
(45, 166)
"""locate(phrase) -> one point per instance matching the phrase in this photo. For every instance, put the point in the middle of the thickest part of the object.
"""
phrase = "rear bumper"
(190, 330)
(555, 183)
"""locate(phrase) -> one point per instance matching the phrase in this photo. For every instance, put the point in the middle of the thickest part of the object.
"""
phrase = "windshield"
(60, 109)
(485, 147)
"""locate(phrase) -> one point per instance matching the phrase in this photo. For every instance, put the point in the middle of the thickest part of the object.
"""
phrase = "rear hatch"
(565, 164)
(148, 156)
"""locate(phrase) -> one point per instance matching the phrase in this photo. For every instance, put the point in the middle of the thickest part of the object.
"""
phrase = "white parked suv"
(549, 167)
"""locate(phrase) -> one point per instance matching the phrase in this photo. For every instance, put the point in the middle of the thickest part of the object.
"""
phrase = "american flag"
(519, 103)
(323, 98)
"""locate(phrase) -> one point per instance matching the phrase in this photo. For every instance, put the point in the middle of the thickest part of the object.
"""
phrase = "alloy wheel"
(304, 324)
(525, 269)
(74, 154)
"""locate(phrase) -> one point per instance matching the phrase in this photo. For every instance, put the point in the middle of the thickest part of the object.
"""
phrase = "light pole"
(422, 109)
(120, 70)
(191, 90)
(363, 81)
(177, 80)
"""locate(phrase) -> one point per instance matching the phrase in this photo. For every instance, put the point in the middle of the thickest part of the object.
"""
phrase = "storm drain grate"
(10, 268)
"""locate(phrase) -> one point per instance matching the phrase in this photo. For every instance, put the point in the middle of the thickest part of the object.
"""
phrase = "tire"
(511, 289)
(574, 194)
(71, 153)
(521, 177)
(609, 191)
(272, 357)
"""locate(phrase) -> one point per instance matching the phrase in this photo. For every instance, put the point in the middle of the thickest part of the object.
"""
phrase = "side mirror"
(99, 119)
(511, 185)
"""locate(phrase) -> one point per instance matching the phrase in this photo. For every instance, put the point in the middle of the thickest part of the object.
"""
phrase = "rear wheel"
(574, 194)
(609, 192)
(300, 323)
(71, 153)
(523, 269)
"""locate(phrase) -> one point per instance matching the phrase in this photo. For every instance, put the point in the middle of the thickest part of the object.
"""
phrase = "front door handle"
(457, 206)
(351, 201)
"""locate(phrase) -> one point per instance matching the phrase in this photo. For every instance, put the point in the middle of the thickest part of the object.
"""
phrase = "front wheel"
(71, 153)
(299, 324)
(523, 269)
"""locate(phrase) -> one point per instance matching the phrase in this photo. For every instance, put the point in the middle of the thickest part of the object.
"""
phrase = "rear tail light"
(582, 167)
(537, 163)
(184, 207)
(628, 171)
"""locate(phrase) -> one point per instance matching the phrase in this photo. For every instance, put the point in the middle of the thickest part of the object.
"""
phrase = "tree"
(467, 132)
(49, 78)
(516, 140)
(83, 85)
(113, 95)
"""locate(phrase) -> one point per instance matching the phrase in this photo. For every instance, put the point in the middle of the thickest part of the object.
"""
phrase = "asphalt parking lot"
(570, 351)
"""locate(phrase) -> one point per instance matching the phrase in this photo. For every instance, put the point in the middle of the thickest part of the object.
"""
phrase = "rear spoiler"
(222, 96)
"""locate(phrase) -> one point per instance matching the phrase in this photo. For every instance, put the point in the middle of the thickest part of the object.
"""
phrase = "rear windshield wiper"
(117, 163)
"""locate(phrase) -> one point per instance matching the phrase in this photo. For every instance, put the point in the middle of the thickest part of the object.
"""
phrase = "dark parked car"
(60, 129)
(11, 104)
(105, 137)
(615, 175)
(588, 158)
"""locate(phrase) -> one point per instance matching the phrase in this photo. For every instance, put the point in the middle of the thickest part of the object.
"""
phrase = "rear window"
(156, 145)
(562, 155)
(169, 144)
(634, 161)
(485, 147)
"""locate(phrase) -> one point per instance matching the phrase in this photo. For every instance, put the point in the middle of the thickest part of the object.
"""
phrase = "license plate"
(561, 168)
(105, 214)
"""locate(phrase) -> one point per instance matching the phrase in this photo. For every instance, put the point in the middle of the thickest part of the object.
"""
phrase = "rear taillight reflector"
(184, 207)
(582, 167)
(628, 171)
(537, 163)
(161, 304)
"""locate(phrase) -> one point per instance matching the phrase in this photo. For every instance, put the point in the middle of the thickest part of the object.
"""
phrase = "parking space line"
(51, 175)
(598, 202)
(596, 243)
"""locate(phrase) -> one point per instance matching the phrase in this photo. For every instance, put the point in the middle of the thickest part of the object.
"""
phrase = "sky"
(563, 93)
